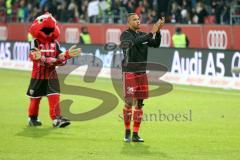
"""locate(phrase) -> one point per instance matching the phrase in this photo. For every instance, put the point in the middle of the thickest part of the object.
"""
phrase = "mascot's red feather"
(46, 55)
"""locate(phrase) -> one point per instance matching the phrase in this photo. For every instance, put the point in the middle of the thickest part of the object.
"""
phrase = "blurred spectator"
(139, 8)
(187, 4)
(221, 10)
(20, 12)
(179, 39)
(51, 6)
(42, 3)
(85, 37)
(34, 12)
(83, 11)
(161, 6)
(62, 15)
(8, 4)
(144, 15)
(152, 17)
(175, 13)
(3, 16)
(201, 12)
(116, 11)
(105, 10)
(185, 17)
(72, 12)
(129, 7)
(93, 11)
(27, 8)
(15, 7)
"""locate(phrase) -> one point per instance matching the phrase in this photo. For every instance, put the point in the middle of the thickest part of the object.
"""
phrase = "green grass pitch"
(211, 133)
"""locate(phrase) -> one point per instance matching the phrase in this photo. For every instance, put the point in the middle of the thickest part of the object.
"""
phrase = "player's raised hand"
(161, 22)
(155, 28)
(158, 25)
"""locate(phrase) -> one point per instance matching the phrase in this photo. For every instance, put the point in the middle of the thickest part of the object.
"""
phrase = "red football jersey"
(41, 68)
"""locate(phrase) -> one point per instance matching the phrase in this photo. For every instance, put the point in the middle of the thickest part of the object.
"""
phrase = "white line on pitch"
(207, 91)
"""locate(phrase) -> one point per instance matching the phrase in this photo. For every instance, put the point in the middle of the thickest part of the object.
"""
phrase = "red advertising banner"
(200, 36)
(17, 31)
(217, 37)
(195, 36)
(236, 37)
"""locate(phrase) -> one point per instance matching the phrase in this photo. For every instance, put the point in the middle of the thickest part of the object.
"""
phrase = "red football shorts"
(135, 85)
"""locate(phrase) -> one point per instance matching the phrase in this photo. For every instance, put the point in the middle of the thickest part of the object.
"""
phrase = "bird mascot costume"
(45, 53)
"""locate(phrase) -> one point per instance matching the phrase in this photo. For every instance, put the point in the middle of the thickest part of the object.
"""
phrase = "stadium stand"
(114, 11)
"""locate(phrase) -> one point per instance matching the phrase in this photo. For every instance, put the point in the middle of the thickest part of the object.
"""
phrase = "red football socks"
(33, 107)
(127, 115)
(54, 106)
(137, 118)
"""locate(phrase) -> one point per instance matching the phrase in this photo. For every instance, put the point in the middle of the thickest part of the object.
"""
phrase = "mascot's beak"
(49, 25)
(47, 31)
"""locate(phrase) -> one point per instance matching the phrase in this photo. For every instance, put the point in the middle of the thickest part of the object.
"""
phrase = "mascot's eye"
(40, 20)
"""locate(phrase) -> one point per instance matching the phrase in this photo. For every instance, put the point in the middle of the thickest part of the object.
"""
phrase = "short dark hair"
(130, 14)
(178, 30)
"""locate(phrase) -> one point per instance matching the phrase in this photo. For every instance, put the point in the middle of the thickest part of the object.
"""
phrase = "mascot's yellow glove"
(71, 52)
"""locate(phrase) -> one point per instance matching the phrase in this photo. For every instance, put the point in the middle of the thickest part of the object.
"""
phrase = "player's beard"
(137, 27)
